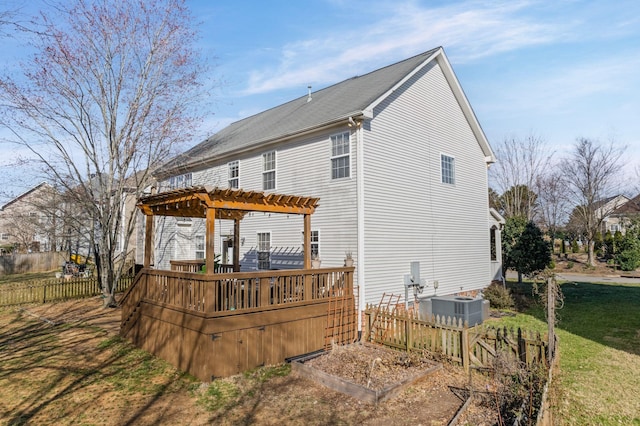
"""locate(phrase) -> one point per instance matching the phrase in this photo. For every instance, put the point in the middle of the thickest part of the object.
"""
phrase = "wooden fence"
(460, 344)
(55, 289)
(20, 263)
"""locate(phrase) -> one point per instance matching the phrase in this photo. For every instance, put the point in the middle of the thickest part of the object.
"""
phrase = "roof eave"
(262, 144)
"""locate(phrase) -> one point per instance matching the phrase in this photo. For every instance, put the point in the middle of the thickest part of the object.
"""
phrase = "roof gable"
(354, 97)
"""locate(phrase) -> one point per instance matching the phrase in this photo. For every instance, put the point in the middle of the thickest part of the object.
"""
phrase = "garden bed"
(366, 372)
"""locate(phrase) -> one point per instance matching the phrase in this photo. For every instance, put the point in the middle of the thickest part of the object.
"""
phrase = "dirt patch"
(73, 369)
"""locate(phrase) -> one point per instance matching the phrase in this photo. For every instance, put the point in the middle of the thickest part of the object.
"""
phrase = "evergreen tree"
(524, 248)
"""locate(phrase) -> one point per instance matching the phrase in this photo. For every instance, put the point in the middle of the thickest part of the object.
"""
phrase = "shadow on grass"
(61, 370)
(604, 313)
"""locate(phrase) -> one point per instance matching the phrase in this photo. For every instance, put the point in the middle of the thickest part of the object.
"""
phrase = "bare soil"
(63, 364)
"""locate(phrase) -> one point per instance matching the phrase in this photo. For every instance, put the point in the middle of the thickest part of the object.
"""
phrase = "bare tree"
(107, 97)
(591, 173)
(521, 163)
(553, 201)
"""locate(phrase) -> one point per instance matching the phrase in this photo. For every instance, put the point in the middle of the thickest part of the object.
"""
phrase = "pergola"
(216, 203)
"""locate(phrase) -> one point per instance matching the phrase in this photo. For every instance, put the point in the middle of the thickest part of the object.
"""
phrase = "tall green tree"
(525, 250)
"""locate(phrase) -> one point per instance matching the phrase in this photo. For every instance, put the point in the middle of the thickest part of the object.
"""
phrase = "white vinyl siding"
(234, 174)
(340, 156)
(269, 171)
(444, 227)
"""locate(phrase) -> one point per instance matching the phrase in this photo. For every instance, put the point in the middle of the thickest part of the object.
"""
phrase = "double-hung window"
(180, 181)
(264, 250)
(269, 170)
(448, 169)
(234, 174)
(340, 156)
(200, 246)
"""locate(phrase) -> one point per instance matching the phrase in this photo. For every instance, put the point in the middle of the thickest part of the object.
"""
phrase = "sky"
(558, 69)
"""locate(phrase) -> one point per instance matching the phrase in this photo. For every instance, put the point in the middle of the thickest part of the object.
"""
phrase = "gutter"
(360, 273)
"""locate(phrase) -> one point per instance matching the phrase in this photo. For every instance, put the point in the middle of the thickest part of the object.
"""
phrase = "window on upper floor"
(4, 236)
(234, 174)
(448, 169)
(340, 156)
(264, 250)
(269, 170)
(180, 181)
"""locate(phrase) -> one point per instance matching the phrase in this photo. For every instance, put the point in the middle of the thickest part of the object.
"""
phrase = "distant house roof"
(355, 97)
(26, 193)
(631, 207)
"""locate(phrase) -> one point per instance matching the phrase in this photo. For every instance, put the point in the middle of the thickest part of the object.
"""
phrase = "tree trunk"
(519, 277)
(591, 253)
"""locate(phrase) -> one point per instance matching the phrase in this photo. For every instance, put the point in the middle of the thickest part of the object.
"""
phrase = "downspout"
(360, 273)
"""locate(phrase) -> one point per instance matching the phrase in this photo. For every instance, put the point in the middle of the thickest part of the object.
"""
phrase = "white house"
(398, 160)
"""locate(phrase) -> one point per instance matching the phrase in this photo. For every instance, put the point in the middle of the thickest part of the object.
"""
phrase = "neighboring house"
(28, 222)
(620, 218)
(398, 160)
(606, 209)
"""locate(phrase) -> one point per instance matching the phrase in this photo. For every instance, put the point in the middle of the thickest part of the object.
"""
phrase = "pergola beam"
(229, 204)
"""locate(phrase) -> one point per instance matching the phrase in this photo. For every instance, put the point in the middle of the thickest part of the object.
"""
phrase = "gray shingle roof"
(339, 101)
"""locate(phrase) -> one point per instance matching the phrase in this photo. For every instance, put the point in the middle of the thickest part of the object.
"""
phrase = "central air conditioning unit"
(468, 309)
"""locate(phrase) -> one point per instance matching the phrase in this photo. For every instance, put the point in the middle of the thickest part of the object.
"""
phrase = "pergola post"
(236, 245)
(307, 241)
(210, 254)
(148, 241)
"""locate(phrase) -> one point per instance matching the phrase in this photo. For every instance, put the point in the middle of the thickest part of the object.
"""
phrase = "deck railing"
(243, 291)
(196, 266)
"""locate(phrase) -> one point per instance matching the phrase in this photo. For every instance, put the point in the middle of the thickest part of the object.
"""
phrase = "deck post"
(236, 245)
(210, 254)
(307, 241)
(148, 241)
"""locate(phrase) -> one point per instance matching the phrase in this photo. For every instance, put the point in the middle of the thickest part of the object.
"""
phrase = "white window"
(269, 170)
(184, 221)
(315, 243)
(4, 236)
(33, 214)
(264, 250)
(448, 169)
(614, 228)
(340, 156)
(234, 174)
(200, 246)
(180, 181)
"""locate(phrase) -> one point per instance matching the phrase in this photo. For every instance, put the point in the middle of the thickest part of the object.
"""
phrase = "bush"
(629, 260)
(498, 296)
(570, 264)
(575, 248)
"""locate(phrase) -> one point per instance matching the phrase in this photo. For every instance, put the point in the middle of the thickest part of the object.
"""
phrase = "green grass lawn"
(599, 333)
(32, 276)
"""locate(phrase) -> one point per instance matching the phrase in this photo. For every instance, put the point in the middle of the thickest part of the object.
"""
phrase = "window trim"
(230, 178)
(452, 164)
(268, 171)
(258, 250)
(333, 157)
(203, 250)
(317, 242)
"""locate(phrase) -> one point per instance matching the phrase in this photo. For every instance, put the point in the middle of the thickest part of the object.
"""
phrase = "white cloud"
(470, 30)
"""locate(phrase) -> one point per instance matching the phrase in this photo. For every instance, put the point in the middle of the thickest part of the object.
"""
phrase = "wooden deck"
(216, 325)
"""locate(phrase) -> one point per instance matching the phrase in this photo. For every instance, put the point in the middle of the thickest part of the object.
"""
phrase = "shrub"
(575, 248)
(629, 260)
(570, 264)
(498, 296)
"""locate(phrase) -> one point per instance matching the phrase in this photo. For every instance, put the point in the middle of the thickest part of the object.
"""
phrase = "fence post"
(408, 332)
(465, 349)
(44, 293)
